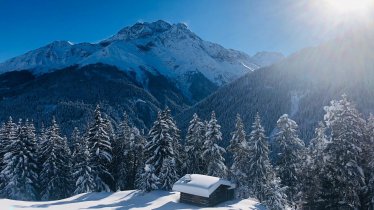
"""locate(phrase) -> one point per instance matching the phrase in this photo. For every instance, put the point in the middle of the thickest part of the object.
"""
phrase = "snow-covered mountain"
(300, 85)
(170, 50)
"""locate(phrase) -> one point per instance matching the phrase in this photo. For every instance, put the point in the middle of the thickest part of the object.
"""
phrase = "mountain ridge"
(300, 86)
(170, 49)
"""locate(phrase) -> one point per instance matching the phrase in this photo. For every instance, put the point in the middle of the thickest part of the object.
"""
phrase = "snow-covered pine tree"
(148, 181)
(2, 142)
(159, 147)
(260, 171)
(2, 145)
(371, 183)
(194, 146)
(41, 157)
(9, 134)
(83, 176)
(174, 132)
(120, 154)
(343, 176)
(213, 153)
(290, 156)
(31, 131)
(135, 157)
(109, 127)
(101, 152)
(312, 168)
(55, 174)
(20, 171)
(276, 198)
(239, 149)
(76, 140)
(168, 175)
(370, 157)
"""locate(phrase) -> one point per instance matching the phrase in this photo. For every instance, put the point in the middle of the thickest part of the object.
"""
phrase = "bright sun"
(356, 8)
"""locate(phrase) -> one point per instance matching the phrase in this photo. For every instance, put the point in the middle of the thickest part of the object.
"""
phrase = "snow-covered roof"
(201, 185)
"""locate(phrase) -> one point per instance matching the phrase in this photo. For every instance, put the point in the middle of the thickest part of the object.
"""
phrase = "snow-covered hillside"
(124, 200)
(171, 50)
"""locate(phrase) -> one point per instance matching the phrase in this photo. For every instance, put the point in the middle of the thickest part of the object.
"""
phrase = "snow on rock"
(134, 200)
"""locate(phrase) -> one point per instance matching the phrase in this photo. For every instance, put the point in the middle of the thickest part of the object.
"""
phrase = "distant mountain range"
(140, 69)
(300, 85)
(157, 48)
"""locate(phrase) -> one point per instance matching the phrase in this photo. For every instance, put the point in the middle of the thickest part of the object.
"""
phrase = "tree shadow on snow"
(82, 198)
(138, 199)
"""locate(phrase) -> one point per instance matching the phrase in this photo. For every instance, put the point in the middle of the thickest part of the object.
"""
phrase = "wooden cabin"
(204, 190)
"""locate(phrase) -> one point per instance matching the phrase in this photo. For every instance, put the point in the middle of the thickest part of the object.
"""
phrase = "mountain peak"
(60, 43)
(142, 29)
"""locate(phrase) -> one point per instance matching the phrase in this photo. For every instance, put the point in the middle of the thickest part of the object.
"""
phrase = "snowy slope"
(171, 50)
(160, 200)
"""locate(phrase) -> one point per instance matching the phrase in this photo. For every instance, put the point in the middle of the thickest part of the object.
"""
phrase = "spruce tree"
(76, 139)
(101, 152)
(135, 157)
(20, 170)
(276, 198)
(160, 147)
(290, 156)
(370, 164)
(8, 135)
(148, 180)
(260, 171)
(41, 156)
(343, 177)
(168, 175)
(55, 174)
(213, 153)
(240, 150)
(83, 176)
(120, 154)
(313, 167)
(194, 146)
(174, 132)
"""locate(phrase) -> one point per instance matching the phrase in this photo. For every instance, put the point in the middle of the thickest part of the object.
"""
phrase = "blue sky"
(248, 25)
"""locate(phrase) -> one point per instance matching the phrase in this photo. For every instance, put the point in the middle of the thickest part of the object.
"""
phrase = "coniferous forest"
(334, 171)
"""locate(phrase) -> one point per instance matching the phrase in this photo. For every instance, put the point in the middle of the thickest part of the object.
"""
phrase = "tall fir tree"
(100, 148)
(148, 180)
(82, 172)
(120, 154)
(55, 174)
(239, 148)
(159, 148)
(20, 171)
(343, 177)
(313, 167)
(370, 158)
(8, 135)
(174, 132)
(194, 146)
(76, 140)
(290, 157)
(135, 157)
(168, 175)
(213, 153)
(276, 198)
(41, 156)
(260, 171)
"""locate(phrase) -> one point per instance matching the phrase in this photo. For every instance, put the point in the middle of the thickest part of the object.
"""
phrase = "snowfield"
(160, 200)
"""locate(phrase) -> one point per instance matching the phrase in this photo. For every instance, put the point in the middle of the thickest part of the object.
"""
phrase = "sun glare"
(356, 8)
